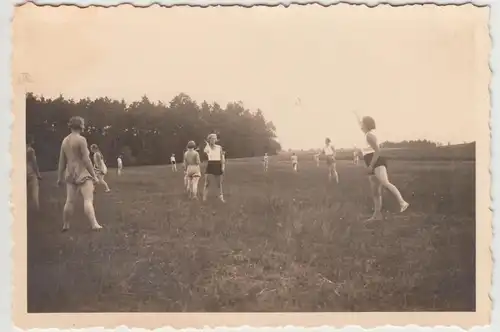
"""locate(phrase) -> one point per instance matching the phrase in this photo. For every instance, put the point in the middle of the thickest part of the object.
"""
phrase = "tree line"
(146, 132)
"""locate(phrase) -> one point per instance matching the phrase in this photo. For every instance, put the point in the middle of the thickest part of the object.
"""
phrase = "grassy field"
(282, 242)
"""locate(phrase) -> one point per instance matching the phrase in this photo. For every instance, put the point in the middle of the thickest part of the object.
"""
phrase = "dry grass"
(283, 242)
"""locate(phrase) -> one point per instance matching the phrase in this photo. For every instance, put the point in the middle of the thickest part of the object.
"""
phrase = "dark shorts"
(381, 161)
(330, 160)
(214, 168)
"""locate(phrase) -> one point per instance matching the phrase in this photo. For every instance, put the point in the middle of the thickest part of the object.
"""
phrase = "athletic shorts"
(381, 161)
(214, 167)
(193, 171)
(330, 160)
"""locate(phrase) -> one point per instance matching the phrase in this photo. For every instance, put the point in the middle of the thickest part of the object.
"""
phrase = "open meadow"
(282, 242)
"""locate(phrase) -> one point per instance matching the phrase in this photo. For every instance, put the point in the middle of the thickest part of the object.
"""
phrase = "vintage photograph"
(265, 159)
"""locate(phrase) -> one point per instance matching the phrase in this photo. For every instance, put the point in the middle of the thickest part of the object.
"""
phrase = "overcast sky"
(414, 69)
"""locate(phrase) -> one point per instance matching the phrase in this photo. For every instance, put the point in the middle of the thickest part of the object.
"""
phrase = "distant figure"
(329, 152)
(215, 165)
(295, 162)
(119, 163)
(100, 166)
(355, 157)
(75, 168)
(376, 166)
(32, 174)
(173, 162)
(192, 169)
(266, 162)
(316, 159)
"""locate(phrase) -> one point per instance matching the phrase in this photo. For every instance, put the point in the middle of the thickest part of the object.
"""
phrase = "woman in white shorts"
(192, 169)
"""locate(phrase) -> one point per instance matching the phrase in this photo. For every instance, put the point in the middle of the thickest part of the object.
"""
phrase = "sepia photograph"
(300, 159)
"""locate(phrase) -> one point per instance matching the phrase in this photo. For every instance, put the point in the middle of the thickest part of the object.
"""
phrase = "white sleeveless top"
(215, 153)
(368, 149)
(328, 150)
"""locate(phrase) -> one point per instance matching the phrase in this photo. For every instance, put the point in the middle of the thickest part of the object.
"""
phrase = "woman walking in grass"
(376, 167)
(100, 166)
(215, 166)
(192, 170)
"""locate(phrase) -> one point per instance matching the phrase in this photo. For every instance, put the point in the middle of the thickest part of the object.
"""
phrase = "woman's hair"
(94, 147)
(76, 123)
(328, 140)
(368, 123)
(191, 145)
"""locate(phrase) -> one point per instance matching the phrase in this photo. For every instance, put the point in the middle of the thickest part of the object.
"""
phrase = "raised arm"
(86, 156)
(358, 118)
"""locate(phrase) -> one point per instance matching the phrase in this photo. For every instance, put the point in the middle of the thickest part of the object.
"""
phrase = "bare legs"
(332, 172)
(192, 187)
(100, 179)
(218, 180)
(377, 181)
(33, 192)
(87, 192)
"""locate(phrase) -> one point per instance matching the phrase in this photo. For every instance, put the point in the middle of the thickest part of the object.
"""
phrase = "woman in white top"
(119, 163)
(173, 162)
(316, 159)
(215, 165)
(329, 152)
(295, 162)
(100, 167)
(377, 169)
(355, 155)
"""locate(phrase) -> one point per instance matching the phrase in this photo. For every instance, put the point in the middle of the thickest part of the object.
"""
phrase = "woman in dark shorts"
(215, 165)
(377, 169)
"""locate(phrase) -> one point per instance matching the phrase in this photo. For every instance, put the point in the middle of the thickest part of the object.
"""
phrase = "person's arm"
(198, 161)
(86, 157)
(62, 164)
(184, 162)
(358, 118)
(372, 141)
(222, 157)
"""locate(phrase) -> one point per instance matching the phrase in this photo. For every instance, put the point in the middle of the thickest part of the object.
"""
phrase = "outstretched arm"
(358, 118)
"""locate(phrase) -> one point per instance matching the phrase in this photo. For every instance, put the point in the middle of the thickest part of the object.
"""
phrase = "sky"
(415, 69)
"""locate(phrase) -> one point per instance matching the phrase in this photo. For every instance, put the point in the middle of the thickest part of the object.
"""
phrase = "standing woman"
(329, 152)
(376, 166)
(215, 166)
(32, 174)
(99, 166)
(119, 163)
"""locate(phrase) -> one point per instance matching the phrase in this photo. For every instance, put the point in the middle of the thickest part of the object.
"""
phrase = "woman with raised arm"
(215, 165)
(376, 167)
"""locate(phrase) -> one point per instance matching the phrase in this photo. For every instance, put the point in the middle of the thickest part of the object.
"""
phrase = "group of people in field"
(80, 172)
